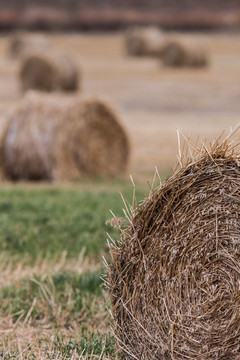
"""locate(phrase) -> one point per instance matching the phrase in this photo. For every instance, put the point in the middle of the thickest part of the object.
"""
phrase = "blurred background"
(152, 99)
(109, 14)
(156, 66)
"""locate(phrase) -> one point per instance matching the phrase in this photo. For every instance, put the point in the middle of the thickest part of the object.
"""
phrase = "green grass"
(91, 346)
(65, 300)
(18, 298)
(44, 223)
(36, 227)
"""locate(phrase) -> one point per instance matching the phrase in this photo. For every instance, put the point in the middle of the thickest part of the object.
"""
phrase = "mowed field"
(52, 300)
(151, 100)
(53, 236)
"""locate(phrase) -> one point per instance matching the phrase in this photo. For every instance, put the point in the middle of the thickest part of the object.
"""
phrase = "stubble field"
(53, 236)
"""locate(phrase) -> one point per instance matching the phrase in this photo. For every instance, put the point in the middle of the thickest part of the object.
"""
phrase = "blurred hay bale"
(48, 72)
(146, 41)
(174, 276)
(3, 126)
(21, 43)
(52, 137)
(179, 52)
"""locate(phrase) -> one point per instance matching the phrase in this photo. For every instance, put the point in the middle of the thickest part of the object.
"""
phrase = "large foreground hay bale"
(147, 41)
(21, 43)
(181, 52)
(48, 72)
(174, 279)
(58, 138)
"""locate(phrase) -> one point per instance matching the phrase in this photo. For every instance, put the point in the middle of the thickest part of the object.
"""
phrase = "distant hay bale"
(49, 72)
(51, 137)
(147, 41)
(21, 43)
(185, 53)
(175, 271)
(3, 127)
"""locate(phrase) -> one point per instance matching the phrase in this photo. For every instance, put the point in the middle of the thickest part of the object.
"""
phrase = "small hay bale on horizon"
(53, 137)
(174, 274)
(49, 72)
(180, 52)
(21, 43)
(144, 41)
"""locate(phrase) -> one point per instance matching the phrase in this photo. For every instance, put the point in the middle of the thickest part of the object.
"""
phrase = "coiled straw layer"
(49, 72)
(179, 52)
(21, 43)
(144, 41)
(54, 137)
(174, 279)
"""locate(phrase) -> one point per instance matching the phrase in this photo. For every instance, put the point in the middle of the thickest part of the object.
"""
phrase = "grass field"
(152, 101)
(53, 236)
(52, 242)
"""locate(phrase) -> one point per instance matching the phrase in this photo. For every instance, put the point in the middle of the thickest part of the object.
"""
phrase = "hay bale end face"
(48, 73)
(184, 53)
(51, 137)
(147, 41)
(175, 271)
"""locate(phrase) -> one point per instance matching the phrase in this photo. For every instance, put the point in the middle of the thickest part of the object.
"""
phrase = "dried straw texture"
(58, 138)
(21, 43)
(175, 272)
(185, 53)
(49, 72)
(144, 41)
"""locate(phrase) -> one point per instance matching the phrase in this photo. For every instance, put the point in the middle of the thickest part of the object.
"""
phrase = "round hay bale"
(49, 72)
(3, 127)
(21, 43)
(58, 138)
(174, 280)
(144, 41)
(184, 53)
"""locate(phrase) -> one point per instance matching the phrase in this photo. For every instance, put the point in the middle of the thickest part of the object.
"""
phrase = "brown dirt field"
(151, 100)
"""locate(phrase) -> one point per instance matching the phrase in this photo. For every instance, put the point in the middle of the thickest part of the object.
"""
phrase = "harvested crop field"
(53, 234)
(51, 289)
(152, 100)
